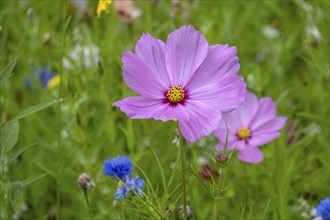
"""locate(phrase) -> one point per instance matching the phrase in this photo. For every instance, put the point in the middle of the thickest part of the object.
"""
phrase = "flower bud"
(85, 182)
(207, 171)
(115, 204)
(221, 158)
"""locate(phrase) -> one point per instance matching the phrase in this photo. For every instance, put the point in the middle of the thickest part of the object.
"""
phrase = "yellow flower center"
(175, 94)
(244, 133)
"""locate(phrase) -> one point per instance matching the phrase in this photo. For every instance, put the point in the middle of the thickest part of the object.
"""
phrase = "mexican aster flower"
(129, 186)
(120, 167)
(251, 125)
(183, 79)
(323, 209)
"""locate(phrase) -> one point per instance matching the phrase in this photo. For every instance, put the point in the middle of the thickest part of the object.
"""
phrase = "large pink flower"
(184, 79)
(251, 125)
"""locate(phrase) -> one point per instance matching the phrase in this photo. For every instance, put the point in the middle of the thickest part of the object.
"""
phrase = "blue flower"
(323, 209)
(45, 77)
(118, 167)
(129, 187)
(27, 82)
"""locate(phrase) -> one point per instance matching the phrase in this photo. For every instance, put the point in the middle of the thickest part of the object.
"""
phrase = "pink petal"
(226, 94)
(186, 49)
(232, 145)
(261, 139)
(220, 60)
(271, 126)
(266, 112)
(233, 122)
(203, 120)
(221, 132)
(249, 109)
(141, 107)
(140, 79)
(251, 155)
(150, 51)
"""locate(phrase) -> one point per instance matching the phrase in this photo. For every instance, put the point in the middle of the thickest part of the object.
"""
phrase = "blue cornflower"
(323, 209)
(45, 77)
(130, 184)
(27, 82)
(118, 167)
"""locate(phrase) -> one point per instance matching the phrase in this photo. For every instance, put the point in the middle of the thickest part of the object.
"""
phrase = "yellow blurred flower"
(53, 82)
(103, 6)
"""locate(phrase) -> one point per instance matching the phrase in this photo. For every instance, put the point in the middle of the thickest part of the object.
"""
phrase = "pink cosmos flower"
(251, 125)
(183, 79)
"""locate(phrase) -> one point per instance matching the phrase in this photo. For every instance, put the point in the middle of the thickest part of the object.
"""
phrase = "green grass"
(47, 150)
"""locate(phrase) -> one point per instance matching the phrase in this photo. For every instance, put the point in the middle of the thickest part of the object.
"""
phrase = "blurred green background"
(283, 47)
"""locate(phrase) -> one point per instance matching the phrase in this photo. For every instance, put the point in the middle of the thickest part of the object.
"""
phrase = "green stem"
(148, 17)
(88, 204)
(217, 198)
(184, 194)
(59, 138)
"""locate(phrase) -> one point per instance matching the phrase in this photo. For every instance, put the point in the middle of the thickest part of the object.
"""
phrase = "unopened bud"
(221, 158)
(207, 171)
(85, 182)
(115, 204)
(46, 38)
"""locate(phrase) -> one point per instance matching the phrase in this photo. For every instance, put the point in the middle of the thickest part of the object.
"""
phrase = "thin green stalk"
(246, 181)
(148, 18)
(218, 194)
(184, 194)
(88, 204)
(221, 178)
(59, 138)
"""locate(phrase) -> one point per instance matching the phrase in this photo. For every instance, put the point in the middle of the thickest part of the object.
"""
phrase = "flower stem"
(88, 204)
(218, 193)
(184, 194)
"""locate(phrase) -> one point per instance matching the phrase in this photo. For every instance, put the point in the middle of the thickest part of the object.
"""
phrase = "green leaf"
(30, 180)
(18, 152)
(36, 108)
(17, 192)
(26, 182)
(16, 196)
(6, 72)
(9, 136)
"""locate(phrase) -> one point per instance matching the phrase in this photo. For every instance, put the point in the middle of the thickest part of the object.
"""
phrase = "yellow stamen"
(103, 6)
(244, 133)
(175, 94)
(55, 81)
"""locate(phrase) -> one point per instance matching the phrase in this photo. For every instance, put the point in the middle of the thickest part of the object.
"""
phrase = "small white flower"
(270, 32)
(82, 56)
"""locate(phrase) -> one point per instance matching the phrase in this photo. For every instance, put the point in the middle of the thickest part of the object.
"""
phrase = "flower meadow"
(165, 109)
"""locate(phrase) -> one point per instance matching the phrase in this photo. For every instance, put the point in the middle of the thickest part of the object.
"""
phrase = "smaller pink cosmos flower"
(251, 125)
